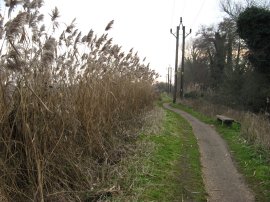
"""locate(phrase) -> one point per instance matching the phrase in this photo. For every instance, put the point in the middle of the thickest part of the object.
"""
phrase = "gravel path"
(222, 181)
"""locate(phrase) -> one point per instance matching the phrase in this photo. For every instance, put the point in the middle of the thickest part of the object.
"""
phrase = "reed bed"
(71, 104)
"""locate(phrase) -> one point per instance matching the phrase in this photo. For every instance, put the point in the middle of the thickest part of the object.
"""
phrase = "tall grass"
(69, 106)
(254, 127)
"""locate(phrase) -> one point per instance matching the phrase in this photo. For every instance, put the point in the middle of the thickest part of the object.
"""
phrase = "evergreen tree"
(253, 25)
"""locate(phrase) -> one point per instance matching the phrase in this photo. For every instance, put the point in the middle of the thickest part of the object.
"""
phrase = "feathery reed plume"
(77, 40)
(55, 14)
(12, 4)
(42, 28)
(48, 52)
(40, 17)
(109, 26)
(71, 26)
(34, 4)
(14, 27)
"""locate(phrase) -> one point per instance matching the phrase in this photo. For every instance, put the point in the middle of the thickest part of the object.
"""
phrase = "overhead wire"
(198, 13)
(171, 24)
(183, 9)
(172, 12)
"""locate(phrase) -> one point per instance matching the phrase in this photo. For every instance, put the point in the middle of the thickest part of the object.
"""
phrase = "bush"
(194, 94)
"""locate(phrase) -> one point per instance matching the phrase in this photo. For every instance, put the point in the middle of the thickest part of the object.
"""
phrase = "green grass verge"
(167, 165)
(252, 162)
(176, 169)
(164, 98)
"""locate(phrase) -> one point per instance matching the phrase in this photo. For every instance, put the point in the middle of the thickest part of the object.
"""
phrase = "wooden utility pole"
(176, 64)
(170, 79)
(183, 62)
(167, 83)
(176, 60)
(169, 89)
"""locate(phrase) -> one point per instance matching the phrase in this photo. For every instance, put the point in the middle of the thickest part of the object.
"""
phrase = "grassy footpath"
(176, 172)
(169, 167)
(252, 162)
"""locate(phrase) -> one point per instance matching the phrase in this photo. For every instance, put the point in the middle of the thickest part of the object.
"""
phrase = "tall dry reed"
(68, 106)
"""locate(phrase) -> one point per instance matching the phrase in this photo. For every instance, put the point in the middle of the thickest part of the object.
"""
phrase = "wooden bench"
(225, 120)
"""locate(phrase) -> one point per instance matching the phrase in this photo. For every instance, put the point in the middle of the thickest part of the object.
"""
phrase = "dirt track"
(222, 181)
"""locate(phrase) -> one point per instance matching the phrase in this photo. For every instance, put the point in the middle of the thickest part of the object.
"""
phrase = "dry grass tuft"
(254, 128)
(66, 115)
(128, 173)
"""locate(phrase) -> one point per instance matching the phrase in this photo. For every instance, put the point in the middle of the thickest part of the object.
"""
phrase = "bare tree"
(234, 8)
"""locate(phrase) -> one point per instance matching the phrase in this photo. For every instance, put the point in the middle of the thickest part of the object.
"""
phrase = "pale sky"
(140, 24)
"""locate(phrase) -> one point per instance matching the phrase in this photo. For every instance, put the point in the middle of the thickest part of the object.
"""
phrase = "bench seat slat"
(225, 119)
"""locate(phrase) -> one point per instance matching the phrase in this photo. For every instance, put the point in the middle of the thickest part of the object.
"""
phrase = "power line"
(172, 12)
(183, 8)
(198, 13)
